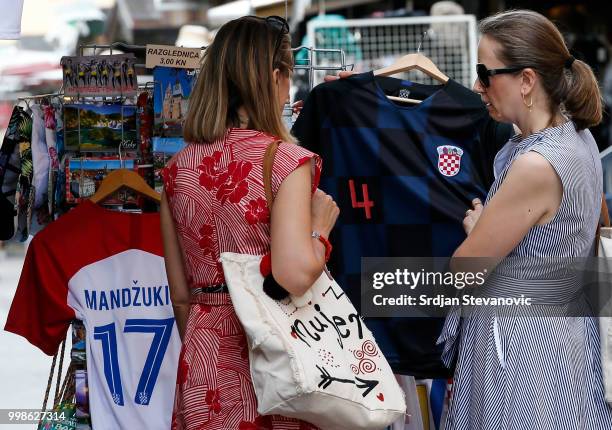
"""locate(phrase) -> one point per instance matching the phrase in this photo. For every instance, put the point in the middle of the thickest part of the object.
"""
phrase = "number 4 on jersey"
(366, 204)
(106, 334)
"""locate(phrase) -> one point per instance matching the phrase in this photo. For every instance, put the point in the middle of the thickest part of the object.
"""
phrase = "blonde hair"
(237, 70)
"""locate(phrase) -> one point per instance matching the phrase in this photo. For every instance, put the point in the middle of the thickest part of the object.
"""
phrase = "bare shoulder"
(533, 171)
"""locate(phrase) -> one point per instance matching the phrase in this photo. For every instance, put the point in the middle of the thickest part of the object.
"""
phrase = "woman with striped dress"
(538, 366)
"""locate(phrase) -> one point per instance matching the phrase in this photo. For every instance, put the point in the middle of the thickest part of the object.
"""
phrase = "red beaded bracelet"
(325, 242)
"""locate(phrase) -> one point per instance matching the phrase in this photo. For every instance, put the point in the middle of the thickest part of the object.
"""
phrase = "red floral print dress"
(216, 196)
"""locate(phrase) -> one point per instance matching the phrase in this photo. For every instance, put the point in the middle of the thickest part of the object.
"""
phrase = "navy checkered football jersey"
(403, 176)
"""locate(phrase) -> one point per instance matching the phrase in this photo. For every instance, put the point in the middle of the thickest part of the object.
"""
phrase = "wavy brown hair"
(237, 70)
(531, 40)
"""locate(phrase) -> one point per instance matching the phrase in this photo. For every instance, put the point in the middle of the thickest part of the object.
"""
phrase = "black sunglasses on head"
(279, 23)
(484, 73)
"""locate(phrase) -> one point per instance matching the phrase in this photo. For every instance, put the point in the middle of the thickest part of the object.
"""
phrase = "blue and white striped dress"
(536, 372)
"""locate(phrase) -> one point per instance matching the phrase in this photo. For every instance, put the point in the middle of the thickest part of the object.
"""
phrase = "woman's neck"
(538, 120)
(243, 117)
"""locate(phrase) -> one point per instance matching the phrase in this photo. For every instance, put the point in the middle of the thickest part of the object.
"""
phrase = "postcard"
(84, 175)
(78, 354)
(82, 399)
(173, 87)
(163, 149)
(100, 127)
(100, 75)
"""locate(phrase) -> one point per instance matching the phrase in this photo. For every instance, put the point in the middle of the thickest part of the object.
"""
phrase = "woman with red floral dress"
(214, 202)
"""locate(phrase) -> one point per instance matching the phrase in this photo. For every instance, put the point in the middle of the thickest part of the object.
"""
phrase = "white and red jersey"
(107, 269)
(10, 18)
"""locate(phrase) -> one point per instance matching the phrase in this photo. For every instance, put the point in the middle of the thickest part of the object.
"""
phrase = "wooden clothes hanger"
(412, 62)
(124, 178)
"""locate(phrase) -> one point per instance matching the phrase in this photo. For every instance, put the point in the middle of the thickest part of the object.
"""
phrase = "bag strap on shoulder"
(268, 163)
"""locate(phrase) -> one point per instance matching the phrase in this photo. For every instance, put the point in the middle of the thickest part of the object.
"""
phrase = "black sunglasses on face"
(484, 73)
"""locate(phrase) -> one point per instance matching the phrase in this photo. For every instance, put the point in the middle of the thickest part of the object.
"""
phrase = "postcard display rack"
(111, 122)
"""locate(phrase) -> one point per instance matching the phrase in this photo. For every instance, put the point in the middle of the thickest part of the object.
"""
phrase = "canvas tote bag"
(311, 357)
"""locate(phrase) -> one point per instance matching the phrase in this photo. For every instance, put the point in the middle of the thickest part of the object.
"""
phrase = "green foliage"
(25, 127)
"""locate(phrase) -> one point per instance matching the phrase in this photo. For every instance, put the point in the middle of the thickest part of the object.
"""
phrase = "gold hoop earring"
(530, 105)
